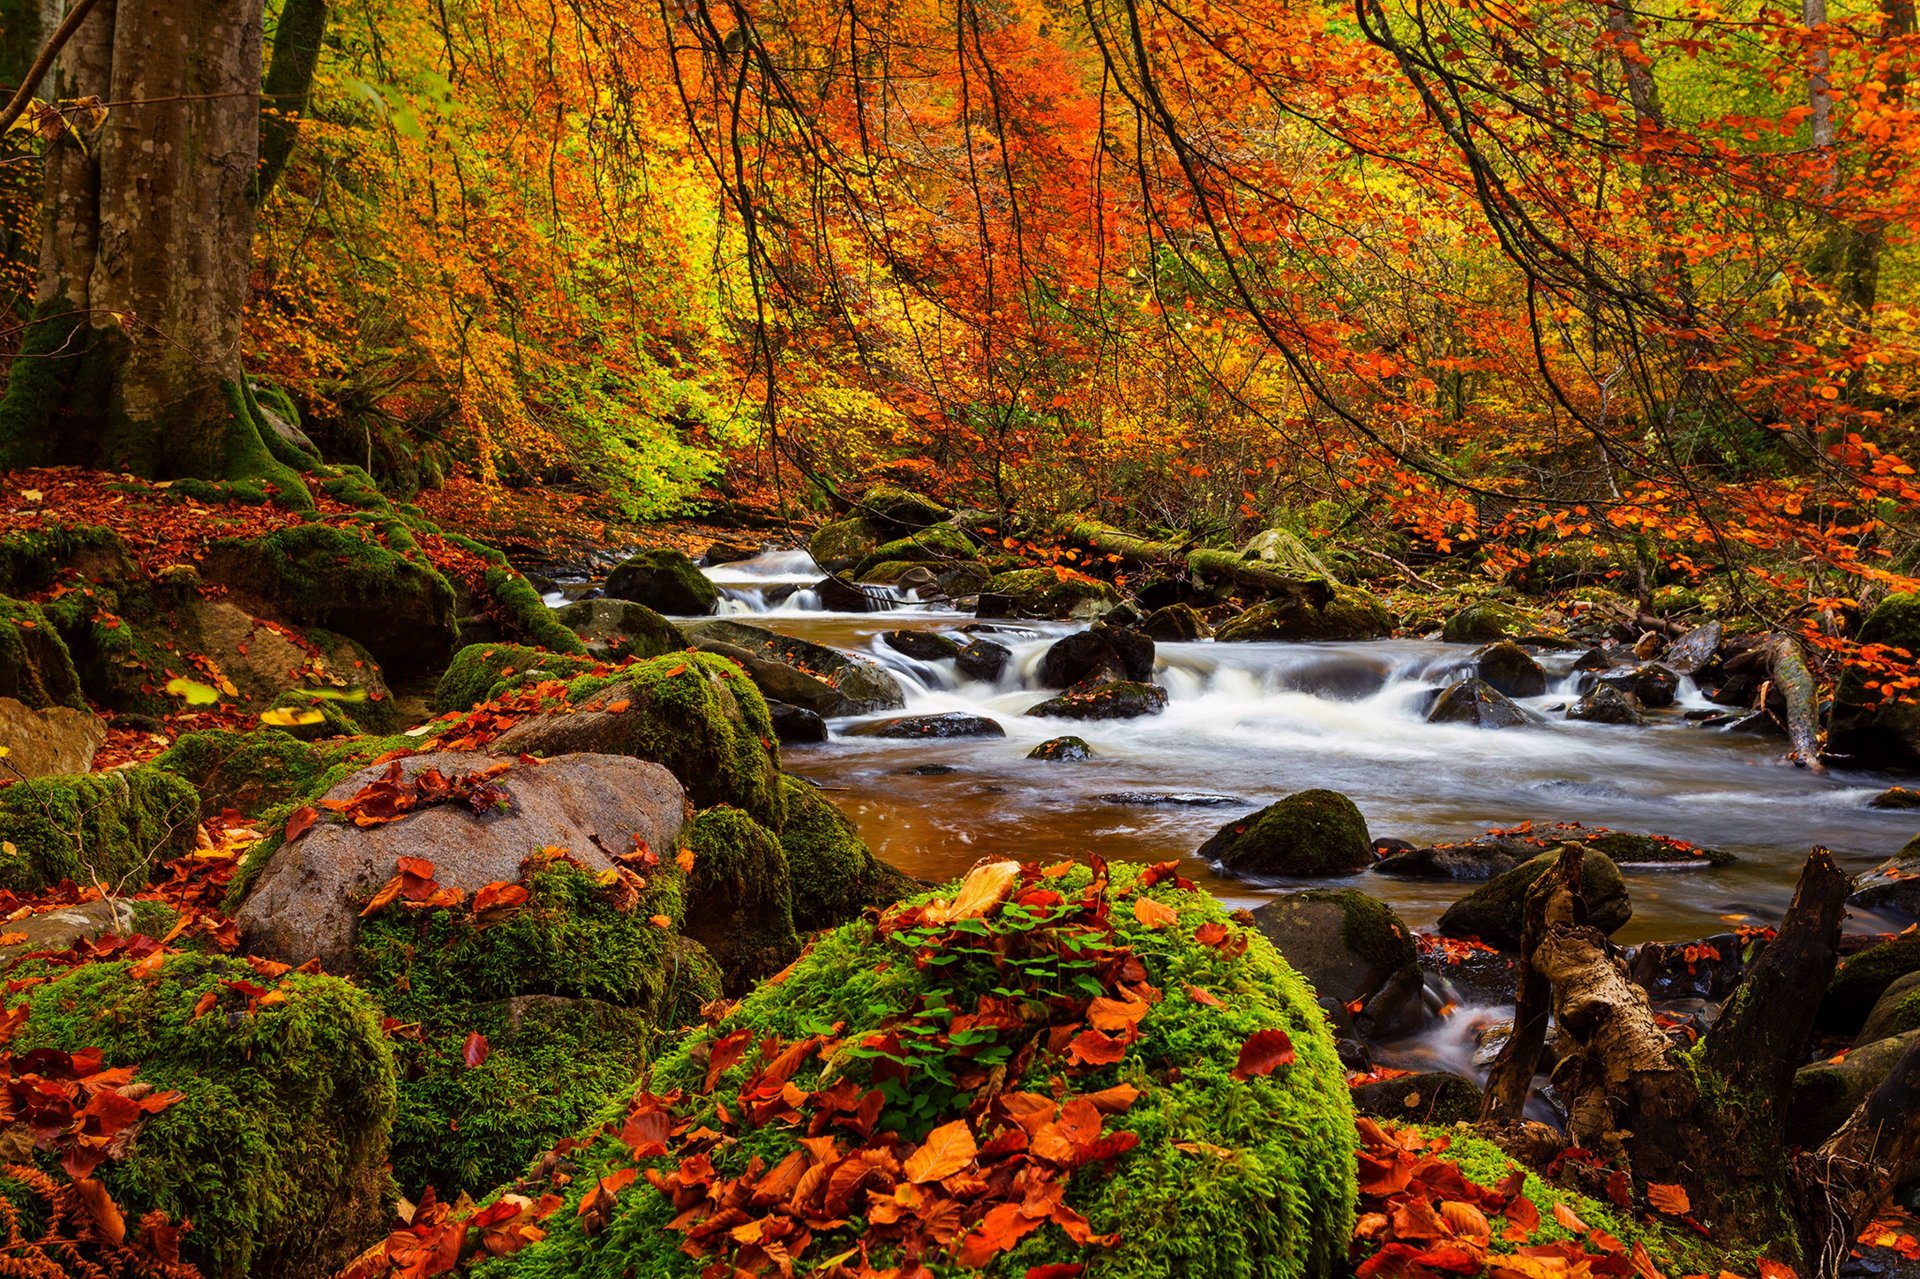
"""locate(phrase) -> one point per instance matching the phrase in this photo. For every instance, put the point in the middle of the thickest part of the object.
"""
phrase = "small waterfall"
(784, 582)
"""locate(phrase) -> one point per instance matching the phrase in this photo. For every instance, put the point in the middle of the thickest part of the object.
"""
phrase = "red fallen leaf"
(1211, 933)
(619, 707)
(1114, 1100)
(947, 1150)
(646, 1132)
(100, 1206)
(1056, 1270)
(1115, 1014)
(1264, 1052)
(1568, 1219)
(1522, 1220)
(297, 824)
(475, 1050)
(1096, 1048)
(1004, 1226)
(389, 893)
(1620, 1190)
(725, 1053)
(1671, 1200)
(498, 895)
(677, 670)
(1164, 872)
(1202, 996)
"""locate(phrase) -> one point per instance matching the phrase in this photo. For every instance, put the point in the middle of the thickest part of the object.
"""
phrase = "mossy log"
(1205, 563)
(1790, 676)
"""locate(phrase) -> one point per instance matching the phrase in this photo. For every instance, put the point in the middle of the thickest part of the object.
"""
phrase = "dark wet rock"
(1825, 1093)
(1477, 703)
(666, 580)
(1173, 798)
(1863, 732)
(1062, 750)
(1507, 668)
(1485, 623)
(1176, 624)
(1467, 863)
(1758, 724)
(1862, 978)
(1388, 846)
(1100, 652)
(1471, 976)
(1896, 1012)
(1607, 705)
(616, 628)
(1042, 593)
(930, 770)
(796, 725)
(922, 646)
(1339, 613)
(1691, 653)
(837, 595)
(983, 660)
(1312, 833)
(1630, 851)
(728, 552)
(946, 724)
(1434, 1097)
(824, 680)
(1893, 885)
(1705, 969)
(1340, 677)
(1594, 659)
(1354, 950)
(1652, 684)
(1896, 797)
(1494, 911)
(1117, 699)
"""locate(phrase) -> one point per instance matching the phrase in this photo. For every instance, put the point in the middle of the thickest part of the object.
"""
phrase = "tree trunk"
(296, 53)
(132, 361)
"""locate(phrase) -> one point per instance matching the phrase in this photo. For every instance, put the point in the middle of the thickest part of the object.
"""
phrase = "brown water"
(1249, 723)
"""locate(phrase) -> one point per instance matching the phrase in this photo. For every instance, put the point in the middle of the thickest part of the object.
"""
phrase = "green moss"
(936, 544)
(740, 896)
(248, 771)
(35, 666)
(123, 665)
(1314, 832)
(1861, 979)
(901, 509)
(277, 1152)
(1369, 927)
(833, 873)
(109, 828)
(1244, 1178)
(567, 991)
(1059, 750)
(1349, 614)
(479, 672)
(1040, 592)
(516, 603)
(842, 542)
(1485, 623)
(666, 580)
(31, 559)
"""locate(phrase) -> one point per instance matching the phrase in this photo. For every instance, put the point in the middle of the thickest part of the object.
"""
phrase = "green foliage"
(109, 828)
(277, 1152)
(248, 771)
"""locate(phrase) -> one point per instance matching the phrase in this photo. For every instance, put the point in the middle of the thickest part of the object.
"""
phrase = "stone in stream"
(1176, 798)
(1355, 951)
(1705, 969)
(983, 660)
(1042, 593)
(1896, 797)
(1691, 653)
(1478, 703)
(824, 680)
(1062, 750)
(1893, 885)
(1343, 613)
(1176, 624)
(837, 595)
(1101, 651)
(1493, 912)
(945, 724)
(1485, 623)
(1861, 979)
(1508, 669)
(1629, 851)
(1472, 862)
(921, 646)
(1605, 704)
(1825, 1093)
(796, 725)
(1652, 684)
(615, 628)
(1114, 699)
(1311, 833)
(1431, 1097)
(666, 580)
(723, 552)
(1594, 659)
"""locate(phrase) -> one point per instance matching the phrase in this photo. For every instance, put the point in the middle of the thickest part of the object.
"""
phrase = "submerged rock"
(1355, 952)
(1469, 862)
(1494, 913)
(796, 725)
(1508, 669)
(666, 580)
(1115, 699)
(922, 646)
(1477, 703)
(945, 724)
(1062, 750)
(1691, 653)
(1706, 969)
(1896, 797)
(1177, 798)
(1607, 705)
(1312, 833)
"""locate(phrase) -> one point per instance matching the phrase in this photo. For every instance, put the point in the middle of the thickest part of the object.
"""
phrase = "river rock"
(1594, 659)
(1101, 651)
(1431, 1097)
(1494, 912)
(1825, 1093)
(1311, 833)
(1176, 624)
(922, 646)
(613, 629)
(1630, 851)
(1172, 798)
(1675, 971)
(1477, 703)
(1472, 862)
(41, 743)
(1340, 613)
(1896, 797)
(837, 595)
(983, 660)
(1893, 885)
(305, 904)
(1896, 1012)
(666, 580)
(824, 680)
(1862, 978)
(1114, 699)
(945, 724)
(1485, 623)
(1605, 704)
(1507, 668)
(1691, 653)
(796, 725)
(1652, 685)
(841, 543)
(1062, 750)
(1355, 951)
(1042, 593)
(61, 926)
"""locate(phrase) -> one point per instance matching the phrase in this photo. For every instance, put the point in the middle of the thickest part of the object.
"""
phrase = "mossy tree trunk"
(132, 359)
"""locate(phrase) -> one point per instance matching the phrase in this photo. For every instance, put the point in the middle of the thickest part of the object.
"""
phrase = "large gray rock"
(799, 672)
(58, 739)
(1495, 911)
(1355, 951)
(305, 904)
(1692, 651)
(613, 629)
(1507, 668)
(62, 926)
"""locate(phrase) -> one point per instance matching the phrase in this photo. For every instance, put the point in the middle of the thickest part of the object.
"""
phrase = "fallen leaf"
(1153, 914)
(1669, 1199)
(100, 1206)
(1264, 1052)
(947, 1150)
(475, 1050)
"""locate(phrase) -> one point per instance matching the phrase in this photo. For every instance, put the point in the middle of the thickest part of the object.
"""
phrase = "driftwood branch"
(1790, 676)
(1510, 1082)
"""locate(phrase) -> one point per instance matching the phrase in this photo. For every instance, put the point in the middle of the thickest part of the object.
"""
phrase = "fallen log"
(1789, 674)
(1203, 563)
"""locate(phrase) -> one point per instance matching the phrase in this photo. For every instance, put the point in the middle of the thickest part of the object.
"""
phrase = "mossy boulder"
(613, 629)
(110, 828)
(1176, 624)
(1862, 732)
(1281, 551)
(346, 580)
(899, 511)
(833, 874)
(1895, 1013)
(1311, 833)
(740, 897)
(248, 772)
(277, 1153)
(1826, 1092)
(665, 580)
(1355, 952)
(571, 992)
(1062, 750)
(843, 543)
(1043, 593)
(697, 714)
(35, 666)
(124, 665)
(1348, 613)
(1487, 622)
(1228, 1173)
(935, 544)
(481, 672)
(1495, 912)
(1104, 699)
(1862, 978)
(800, 672)
(1894, 885)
